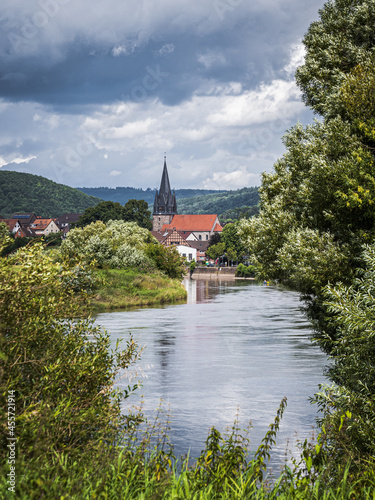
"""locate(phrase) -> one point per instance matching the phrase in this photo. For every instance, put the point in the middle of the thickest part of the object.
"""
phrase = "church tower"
(165, 205)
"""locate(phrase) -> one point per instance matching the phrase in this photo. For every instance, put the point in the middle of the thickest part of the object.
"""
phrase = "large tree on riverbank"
(318, 214)
(317, 207)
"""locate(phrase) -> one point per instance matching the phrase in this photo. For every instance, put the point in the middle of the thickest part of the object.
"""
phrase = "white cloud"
(297, 58)
(17, 160)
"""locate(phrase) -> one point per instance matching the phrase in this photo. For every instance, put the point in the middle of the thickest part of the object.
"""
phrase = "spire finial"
(165, 155)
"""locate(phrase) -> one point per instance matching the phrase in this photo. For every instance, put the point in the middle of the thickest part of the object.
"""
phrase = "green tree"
(133, 211)
(341, 39)
(349, 405)
(167, 259)
(103, 211)
(116, 244)
(4, 232)
(137, 211)
(215, 251)
(215, 238)
(231, 239)
(324, 183)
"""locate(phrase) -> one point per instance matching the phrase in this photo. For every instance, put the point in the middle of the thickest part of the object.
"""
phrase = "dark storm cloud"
(77, 65)
(93, 92)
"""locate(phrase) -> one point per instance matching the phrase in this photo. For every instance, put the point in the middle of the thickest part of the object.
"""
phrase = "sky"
(94, 93)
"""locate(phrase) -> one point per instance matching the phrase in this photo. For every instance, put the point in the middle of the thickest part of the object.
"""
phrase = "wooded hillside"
(228, 204)
(21, 192)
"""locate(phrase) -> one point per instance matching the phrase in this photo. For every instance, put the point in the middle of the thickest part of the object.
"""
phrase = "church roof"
(201, 222)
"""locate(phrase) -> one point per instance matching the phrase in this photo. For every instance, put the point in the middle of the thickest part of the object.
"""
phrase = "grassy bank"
(124, 288)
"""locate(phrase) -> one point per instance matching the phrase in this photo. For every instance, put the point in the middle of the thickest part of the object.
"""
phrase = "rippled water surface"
(235, 347)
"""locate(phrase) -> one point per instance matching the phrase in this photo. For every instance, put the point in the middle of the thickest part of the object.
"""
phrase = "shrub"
(59, 368)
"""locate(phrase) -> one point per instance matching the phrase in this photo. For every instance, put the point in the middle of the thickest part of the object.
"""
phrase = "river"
(236, 348)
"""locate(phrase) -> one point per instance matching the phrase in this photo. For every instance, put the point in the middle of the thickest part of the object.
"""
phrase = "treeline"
(21, 192)
(228, 204)
(123, 194)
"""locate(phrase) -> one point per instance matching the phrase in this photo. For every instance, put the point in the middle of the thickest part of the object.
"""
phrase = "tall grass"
(125, 288)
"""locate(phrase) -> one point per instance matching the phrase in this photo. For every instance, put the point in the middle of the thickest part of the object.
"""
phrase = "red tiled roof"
(10, 223)
(203, 222)
(40, 224)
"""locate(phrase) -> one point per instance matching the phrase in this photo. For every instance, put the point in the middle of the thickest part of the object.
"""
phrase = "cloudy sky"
(92, 93)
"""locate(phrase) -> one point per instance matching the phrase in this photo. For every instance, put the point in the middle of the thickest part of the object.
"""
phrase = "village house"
(43, 227)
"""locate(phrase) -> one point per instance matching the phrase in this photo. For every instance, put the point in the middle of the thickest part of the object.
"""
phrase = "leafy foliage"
(316, 207)
(60, 368)
(167, 259)
(352, 311)
(341, 39)
(116, 244)
(20, 192)
(317, 214)
(228, 204)
(133, 211)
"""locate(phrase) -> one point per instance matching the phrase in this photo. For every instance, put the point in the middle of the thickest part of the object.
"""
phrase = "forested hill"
(228, 204)
(21, 192)
(124, 194)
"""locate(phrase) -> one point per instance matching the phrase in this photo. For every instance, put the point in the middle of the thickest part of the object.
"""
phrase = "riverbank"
(215, 273)
(126, 288)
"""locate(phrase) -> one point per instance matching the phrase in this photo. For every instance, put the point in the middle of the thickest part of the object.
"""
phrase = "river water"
(236, 348)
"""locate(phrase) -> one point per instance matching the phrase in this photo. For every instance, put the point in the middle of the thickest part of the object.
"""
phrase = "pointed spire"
(165, 187)
(165, 200)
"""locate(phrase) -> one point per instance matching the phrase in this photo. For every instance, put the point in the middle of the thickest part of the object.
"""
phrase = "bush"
(167, 260)
(59, 368)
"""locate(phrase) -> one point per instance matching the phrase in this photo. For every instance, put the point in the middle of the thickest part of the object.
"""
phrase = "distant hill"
(227, 204)
(123, 194)
(21, 192)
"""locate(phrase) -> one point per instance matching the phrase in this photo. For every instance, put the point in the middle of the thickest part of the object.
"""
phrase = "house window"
(190, 256)
(206, 236)
(200, 236)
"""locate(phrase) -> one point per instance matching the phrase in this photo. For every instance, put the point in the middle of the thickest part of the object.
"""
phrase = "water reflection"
(235, 345)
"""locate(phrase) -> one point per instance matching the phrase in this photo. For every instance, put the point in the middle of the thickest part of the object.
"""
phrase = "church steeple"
(165, 204)
(165, 200)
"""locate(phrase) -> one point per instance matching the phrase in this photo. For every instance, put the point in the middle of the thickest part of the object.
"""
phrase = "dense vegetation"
(227, 246)
(127, 288)
(20, 192)
(119, 245)
(316, 228)
(133, 211)
(228, 204)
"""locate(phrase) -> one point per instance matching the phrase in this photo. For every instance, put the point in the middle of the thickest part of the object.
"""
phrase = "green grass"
(126, 288)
